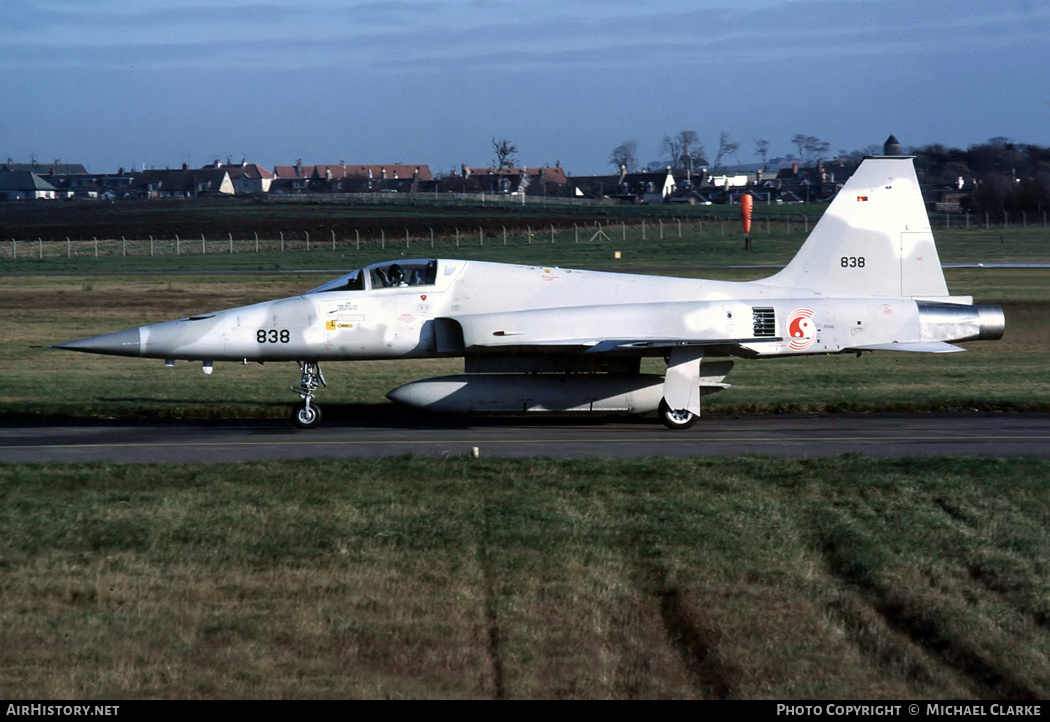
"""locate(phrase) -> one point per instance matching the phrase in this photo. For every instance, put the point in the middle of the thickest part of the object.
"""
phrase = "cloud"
(428, 35)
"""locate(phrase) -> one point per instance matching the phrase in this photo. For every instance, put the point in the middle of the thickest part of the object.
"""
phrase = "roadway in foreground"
(875, 435)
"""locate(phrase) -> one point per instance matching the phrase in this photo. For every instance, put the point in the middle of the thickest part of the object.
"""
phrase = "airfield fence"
(405, 239)
(435, 199)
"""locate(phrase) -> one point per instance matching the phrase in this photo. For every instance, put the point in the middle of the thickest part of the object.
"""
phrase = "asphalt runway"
(875, 435)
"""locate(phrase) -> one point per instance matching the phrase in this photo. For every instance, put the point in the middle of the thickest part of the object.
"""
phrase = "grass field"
(844, 578)
(725, 578)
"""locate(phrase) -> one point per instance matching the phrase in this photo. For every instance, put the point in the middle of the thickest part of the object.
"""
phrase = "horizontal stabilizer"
(924, 347)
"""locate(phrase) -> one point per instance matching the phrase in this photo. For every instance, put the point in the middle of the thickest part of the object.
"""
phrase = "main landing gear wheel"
(676, 419)
(306, 417)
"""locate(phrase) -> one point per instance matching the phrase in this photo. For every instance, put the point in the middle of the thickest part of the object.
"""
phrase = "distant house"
(692, 197)
(729, 181)
(22, 185)
(948, 200)
(183, 183)
(45, 169)
(789, 198)
(67, 179)
(112, 186)
(627, 187)
(510, 181)
(819, 183)
(246, 177)
(348, 178)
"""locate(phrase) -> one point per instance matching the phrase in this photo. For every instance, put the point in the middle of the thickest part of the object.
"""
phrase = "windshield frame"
(414, 273)
(343, 283)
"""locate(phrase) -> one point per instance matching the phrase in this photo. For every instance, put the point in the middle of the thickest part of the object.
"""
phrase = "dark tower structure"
(892, 146)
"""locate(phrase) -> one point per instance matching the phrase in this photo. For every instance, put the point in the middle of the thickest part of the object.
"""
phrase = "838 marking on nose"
(272, 335)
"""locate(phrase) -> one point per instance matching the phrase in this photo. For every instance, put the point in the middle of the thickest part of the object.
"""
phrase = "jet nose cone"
(121, 343)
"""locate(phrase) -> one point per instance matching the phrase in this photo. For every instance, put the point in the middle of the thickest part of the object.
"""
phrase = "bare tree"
(762, 151)
(683, 149)
(800, 141)
(726, 147)
(672, 149)
(810, 148)
(856, 156)
(819, 150)
(506, 153)
(625, 155)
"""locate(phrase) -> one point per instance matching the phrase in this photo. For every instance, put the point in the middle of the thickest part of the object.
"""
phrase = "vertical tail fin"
(874, 239)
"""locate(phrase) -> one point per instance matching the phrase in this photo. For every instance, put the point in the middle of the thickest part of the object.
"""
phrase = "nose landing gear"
(306, 414)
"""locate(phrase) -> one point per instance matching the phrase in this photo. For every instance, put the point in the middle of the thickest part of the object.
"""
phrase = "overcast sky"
(111, 83)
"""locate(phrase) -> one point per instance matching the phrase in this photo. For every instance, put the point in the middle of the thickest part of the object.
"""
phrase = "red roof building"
(349, 178)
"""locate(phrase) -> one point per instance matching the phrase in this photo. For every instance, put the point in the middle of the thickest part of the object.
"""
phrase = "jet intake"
(957, 322)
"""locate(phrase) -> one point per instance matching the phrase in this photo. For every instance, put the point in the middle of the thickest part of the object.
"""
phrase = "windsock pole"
(746, 203)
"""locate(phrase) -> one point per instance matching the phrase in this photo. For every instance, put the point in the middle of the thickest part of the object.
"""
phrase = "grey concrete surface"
(875, 435)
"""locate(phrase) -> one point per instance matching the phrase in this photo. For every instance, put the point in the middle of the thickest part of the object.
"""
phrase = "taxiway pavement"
(875, 435)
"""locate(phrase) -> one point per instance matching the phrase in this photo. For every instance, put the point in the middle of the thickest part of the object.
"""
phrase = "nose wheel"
(307, 414)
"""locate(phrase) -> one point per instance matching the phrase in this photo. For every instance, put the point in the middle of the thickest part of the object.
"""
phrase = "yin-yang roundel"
(802, 331)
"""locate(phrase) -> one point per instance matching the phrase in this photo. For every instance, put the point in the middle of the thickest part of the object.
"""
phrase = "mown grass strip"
(409, 577)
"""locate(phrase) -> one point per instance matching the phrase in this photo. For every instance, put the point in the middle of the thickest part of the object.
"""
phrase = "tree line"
(684, 152)
(996, 177)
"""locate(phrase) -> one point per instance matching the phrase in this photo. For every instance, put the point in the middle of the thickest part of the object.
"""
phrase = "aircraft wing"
(724, 345)
(742, 347)
(923, 347)
(624, 329)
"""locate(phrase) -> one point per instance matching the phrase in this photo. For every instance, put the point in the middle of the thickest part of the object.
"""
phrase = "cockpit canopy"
(389, 274)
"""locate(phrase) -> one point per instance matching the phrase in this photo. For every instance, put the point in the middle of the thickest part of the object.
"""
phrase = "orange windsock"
(746, 203)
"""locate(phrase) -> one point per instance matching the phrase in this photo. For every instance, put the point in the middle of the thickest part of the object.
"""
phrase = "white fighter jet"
(541, 338)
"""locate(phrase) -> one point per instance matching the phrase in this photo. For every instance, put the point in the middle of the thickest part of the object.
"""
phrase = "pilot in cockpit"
(396, 274)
